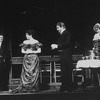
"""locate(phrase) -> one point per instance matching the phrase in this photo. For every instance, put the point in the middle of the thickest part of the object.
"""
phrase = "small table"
(89, 66)
(94, 63)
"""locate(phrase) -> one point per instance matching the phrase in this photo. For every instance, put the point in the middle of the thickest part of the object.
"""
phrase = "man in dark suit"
(5, 64)
(64, 47)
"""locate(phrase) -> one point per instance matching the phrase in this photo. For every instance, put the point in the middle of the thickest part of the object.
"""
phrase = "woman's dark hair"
(30, 32)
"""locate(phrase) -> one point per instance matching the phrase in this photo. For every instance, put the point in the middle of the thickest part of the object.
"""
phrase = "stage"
(50, 92)
(90, 93)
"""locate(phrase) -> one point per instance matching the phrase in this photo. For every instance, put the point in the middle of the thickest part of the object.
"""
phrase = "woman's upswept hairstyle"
(96, 27)
(30, 32)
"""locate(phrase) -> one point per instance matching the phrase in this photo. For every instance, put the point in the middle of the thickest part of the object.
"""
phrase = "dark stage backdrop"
(42, 15)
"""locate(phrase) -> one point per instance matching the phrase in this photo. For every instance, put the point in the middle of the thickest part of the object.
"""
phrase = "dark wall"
(42, 16)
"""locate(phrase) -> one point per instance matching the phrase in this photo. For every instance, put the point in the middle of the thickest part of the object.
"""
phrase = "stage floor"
(90, 93)
(89, 89)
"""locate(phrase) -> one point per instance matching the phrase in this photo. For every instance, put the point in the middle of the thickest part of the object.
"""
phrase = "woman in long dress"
(30, 68)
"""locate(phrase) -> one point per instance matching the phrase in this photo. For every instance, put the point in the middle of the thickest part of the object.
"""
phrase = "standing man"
(64, 48)
(5, 64)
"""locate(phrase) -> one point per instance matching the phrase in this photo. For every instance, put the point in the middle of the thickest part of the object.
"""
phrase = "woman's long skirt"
(30, 72)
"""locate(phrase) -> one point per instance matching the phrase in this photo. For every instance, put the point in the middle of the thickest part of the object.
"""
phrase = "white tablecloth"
(88, 63)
